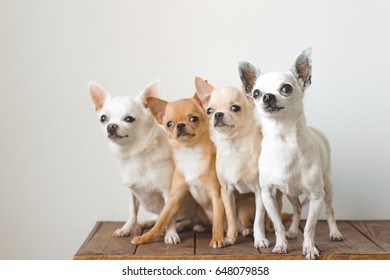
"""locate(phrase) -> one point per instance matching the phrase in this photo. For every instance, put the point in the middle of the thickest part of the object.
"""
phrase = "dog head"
(278, 94)
(124, 119)
(185, 122)
(229, 109)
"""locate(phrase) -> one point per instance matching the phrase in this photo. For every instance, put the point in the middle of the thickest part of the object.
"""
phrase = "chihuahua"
(295, 159)
(238, 140)
(142, 152)
(194, 156)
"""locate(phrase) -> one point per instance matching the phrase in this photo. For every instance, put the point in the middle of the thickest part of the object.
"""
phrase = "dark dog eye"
(235, 108)
(129, 119)
(256, 94)
(194, 119)
(103, 118)
(286, 88)
(169, 124)
(210, 111)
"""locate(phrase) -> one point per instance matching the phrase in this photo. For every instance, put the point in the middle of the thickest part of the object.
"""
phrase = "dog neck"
(284, 129)
(204, 145)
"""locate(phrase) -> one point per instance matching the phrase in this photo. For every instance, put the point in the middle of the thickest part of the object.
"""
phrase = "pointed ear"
(301, 69)
(157, 107)
(203, 91)
(151, 90)
(248, 75)
(98, 95)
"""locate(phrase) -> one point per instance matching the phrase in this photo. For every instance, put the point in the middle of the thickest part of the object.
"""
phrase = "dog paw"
(279, 250)
(311, 253)
(261, 243)
(172, 238)
(336, 236)
(229, 241)
(291, 234)
(137, 240)
(120, 232)
(132, 231)
(247, 232)
(216, 243)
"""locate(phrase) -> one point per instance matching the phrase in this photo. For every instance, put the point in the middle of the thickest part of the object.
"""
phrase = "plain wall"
(57, 177)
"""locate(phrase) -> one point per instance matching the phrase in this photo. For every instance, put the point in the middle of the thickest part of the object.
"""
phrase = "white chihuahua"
(295, 159)
(142, 152)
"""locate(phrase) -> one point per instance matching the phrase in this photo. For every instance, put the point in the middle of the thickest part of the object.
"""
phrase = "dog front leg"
(259, 224)
(218, 223)
(309, 247)
(130, 227)
(280, 232)
(229, 202)
(169, 212)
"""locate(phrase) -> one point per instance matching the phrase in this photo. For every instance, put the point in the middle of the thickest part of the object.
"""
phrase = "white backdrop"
(56, 175)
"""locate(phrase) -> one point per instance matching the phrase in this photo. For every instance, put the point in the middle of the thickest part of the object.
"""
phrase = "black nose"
(218, 116)
(181, 126)
(269, 98)
(112, 128)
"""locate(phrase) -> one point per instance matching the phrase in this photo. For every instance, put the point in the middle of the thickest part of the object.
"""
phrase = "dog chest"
(292, 170)
(190, 162)
(238, 167)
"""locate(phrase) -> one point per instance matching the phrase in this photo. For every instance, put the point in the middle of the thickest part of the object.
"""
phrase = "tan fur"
(205, 187)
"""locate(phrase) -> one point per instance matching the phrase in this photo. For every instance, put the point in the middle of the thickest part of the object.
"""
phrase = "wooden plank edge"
(325, 256)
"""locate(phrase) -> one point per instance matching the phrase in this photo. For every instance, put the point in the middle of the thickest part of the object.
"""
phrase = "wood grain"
(363, 240)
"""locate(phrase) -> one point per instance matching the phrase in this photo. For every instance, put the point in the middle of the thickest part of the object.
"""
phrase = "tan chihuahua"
(194, 155)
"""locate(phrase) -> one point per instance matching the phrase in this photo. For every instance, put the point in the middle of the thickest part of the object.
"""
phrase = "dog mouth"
(220, 124)
(115, 136)
(272, 108)
(184, 134)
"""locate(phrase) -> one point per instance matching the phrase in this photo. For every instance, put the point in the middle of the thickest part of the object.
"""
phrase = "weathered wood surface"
(363, 240)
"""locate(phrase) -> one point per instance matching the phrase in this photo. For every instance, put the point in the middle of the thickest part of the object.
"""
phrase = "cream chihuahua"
(295, 159)
(142, 152)
(238, 140)
(194, 157)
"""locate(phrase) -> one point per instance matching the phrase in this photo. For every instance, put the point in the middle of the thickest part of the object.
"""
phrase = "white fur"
(295, 158)
(189, 161)
(144, 156)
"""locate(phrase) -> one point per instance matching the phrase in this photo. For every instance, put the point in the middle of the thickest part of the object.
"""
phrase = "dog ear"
(301, 69)
(151, 90)
(203, 91)
(98, 95)
(248, 75)
(157, 107)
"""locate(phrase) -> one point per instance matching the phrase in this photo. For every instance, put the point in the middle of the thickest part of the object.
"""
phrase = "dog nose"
(268, 98)
(181, 126)
(218, 116)
(112, 128)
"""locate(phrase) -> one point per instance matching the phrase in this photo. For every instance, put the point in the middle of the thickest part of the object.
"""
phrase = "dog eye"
(103, 118)
(194, 119)
(235, 108)
(169, 124)
(286, 88)
(257, 94)
(210, 111)
(129, 119)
